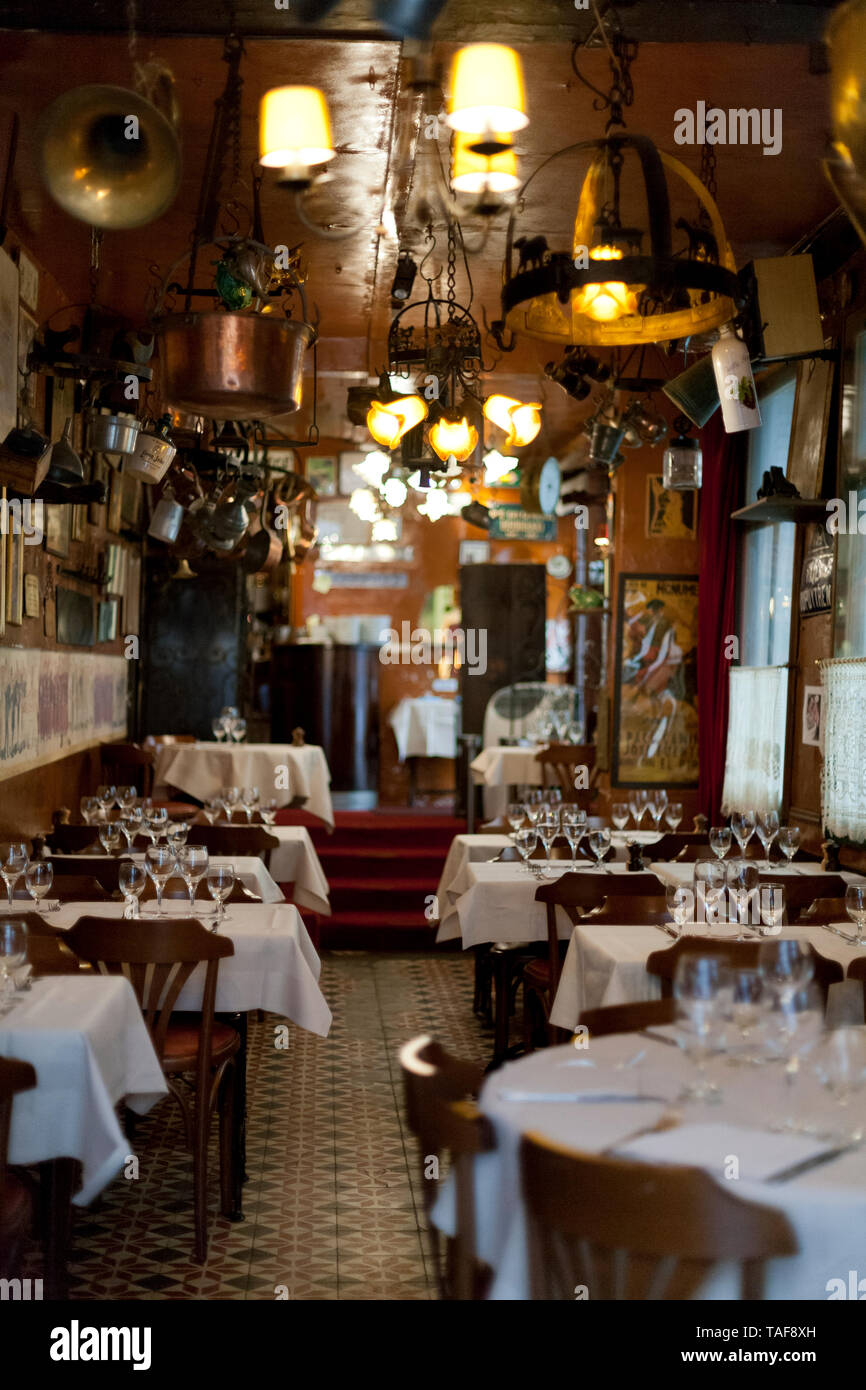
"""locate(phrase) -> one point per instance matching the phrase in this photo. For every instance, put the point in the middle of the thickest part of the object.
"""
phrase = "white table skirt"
(826, 1207)
(90, 1047)
(464, 849)
(496, 902)
(296, 861)
(274, 967)
(607, 965)
(203, 769)
(425, 727)
(504, 767)
(684, 873)
(248, 868)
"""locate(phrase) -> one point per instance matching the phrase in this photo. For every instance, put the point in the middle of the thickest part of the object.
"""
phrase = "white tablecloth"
(501, 768)
(248, 868)
(88, 1042)
(607, 965)
(202, 769)
(826, 1207)
(684, 873)
(465, 849)
(296, 861)
(425, 727)
(274, 967)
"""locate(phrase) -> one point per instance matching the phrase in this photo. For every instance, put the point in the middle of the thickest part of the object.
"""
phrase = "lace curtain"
(755, 753)
(843, 776)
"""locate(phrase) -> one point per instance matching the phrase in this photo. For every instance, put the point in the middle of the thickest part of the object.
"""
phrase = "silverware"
(669, 1120)
(658, 1037)
(668, 931)
(817, 1161)
(852, 940)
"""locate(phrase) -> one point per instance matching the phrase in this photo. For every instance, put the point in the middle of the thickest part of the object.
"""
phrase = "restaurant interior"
(432, 611)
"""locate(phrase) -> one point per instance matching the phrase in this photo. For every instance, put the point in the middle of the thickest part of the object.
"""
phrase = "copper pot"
(233, 366)
(263, 552)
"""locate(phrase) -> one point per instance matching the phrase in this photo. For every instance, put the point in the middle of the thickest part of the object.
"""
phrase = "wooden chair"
(628, 1018)
(627, 910)
(72, 839)
(436, 1088)
(823, 910)
(676, 847)
(741, 953)
(635, 1231)
(15, 1200)
(104, 868)
(234, 841)
(158, 963)
(802, 891)
(559, 763)
(68, 888)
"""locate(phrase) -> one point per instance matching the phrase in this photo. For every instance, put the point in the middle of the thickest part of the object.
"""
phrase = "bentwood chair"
(628, 1018)
(633, 1231)
(103, 868)
(133, 765)
(47, 951)
(680, 847)
(67, 888)
(437, 1088)
(158, 963)
(15, 1199)
(744, 954)
(560, 764)
(234, 841)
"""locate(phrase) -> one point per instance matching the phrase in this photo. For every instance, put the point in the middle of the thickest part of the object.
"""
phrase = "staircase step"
(375, 866)
(379, 930)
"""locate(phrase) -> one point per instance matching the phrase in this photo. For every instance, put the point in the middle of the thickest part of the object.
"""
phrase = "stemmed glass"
(131, 878)
(109, 836)
(680, 903)
(126, 798)
(599, 843)
(90, 809)
(574, 829)
(192, 860)
(515, 814)
(709, 881)
(789, 841)
(787, 967)
(673, 814)
(176, 832)
(748, 1005)
(635, 809)
(656, 806)
(39, 876)
(841, 1069)
(742, 880)
(533, 803)
(548, 829)
(268, 811)
(13, 952)
(696, 987)
(239, 730)
(767, 828)
(231, 797)
(212, 808)
(106, 795)
(619, 814)
(526, 840)
(218, 727)
(160, 861)
(13, 866)
(772, 906)
(855, 906)
(743, 826)
(720, 840)
(249, 802)
(154, 822)
(130, 825)
(220, 882)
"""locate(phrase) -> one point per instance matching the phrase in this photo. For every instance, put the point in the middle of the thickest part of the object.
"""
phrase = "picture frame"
(31, 596)
(655, 724)
(813, 716)
(321, 473)
(58, 522)
(114, 514)
(809, 425)
(671, 514)
(15, 578)
(106, 622)
(74, 625)
(474, 553)
(3, 573)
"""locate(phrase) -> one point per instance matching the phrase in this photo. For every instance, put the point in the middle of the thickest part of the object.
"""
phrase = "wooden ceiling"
(767, 202)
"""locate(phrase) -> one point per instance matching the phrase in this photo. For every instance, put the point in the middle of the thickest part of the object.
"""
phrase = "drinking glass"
(800, 1023)
(554, 796)
(743, 826)
(13, 952)
(599, 843)
(130, 825)
(548, 829)
(192, 860)
(231, 797)
(771, 898)
(106, 795)
(249, 802)
(720, 840)
(841, 1069)
(211, 809)
(709, 881)
(160, 861)
(619, 814)
(574, 829)
(220, 882)
(154, 822)
(768, 828)
(742, 880)
(514, 814)
(268, 811)
(696, 988)
(126, 797)
(656, 806)
(39, 876)
(109, 836)
(673, 814)
(239, 730)
(748, 1005)
(787, 966)
(526, 841)
(131, 878)
(176, 832)
(532, 806)
(90, 809)
(635, 808)
(680, 903)
(789, 840)
(14, 863)
(855, 906)
(218, 728)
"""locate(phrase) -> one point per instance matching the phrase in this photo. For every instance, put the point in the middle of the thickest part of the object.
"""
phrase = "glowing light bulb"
(487, 90)
(436, 505)
(453, 437)
(610, 299)
(364, 504)
(373, 467)
(520, 422)
(395, 492)
(294, 131)
(497, 466)
(388, 421)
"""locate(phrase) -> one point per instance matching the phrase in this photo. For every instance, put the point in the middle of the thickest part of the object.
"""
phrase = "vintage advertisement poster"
(656, 713)
(671, 514)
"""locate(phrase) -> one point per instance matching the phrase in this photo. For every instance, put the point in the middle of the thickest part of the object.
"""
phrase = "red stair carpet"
(383, 868)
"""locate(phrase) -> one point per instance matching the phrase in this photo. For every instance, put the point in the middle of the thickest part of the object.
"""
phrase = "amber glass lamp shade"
(389, 420)
(478, 173)
(520, 422)
(455, 438)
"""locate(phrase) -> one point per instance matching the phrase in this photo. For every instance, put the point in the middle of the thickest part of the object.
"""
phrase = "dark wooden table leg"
(239, 1135)
(58, 1180)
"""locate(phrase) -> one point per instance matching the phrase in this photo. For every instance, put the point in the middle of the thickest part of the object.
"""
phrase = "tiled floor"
(333, 1207)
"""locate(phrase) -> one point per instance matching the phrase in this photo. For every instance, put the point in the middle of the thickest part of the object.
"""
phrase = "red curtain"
(720, 493)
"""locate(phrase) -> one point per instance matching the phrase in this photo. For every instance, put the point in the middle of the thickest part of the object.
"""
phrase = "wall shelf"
(800, 510)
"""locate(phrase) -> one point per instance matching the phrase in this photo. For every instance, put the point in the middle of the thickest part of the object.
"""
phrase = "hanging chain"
(95, 256)
(452, 264)
(621, 93)
(708, 179)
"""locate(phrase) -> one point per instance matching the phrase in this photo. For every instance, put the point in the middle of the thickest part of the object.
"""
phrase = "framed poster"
(474, 552)
(816, 576)
(655, 738)
(321, 472)
(811, 417)
(58, 521)
(670, 514)
(8, 344)
(15, 578)
(31, 596)
(813, 716)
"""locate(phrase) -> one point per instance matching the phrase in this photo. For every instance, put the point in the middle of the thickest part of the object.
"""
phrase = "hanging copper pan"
(233, 366)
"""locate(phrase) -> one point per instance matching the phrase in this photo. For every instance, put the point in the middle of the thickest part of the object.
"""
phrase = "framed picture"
(27, 327)
(813, 716)
(74, 618)
(31, 596)
(849, 593)
(15, 578)
(349, 479)
(670, 514)
(8, 344)
(655, 740)
(811, 417)
(58, 522)
(28, 282)
(114, 518)
(321, 471)
(474, 553)
(106, 623)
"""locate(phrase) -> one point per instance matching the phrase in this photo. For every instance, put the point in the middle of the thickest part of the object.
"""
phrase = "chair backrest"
(675, 846)
(634, 1231)
(158, 963)
(559, 766)
(234, 841)
(69, 888)
(72, 839)
(576, 894)
(628, 909)
(128, 763)
(741, 953)
(103, 868)
(15, 1077)
(175, 888)
(628, 1018)
(823, 910)
(806, 888)
(436, 1087)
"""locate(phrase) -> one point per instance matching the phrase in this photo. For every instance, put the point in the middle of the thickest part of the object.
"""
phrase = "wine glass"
(743, 826)
(89, 809)
(599, 843)
(154, 822)
(39, 876)
(749, 1003)
(211, 809)
(13, 952)
(239, 730)
(680, 903)
(106, 795)
(160, 861)
(548, 829)
(720, 840)
(619, 814)
(220, 882)
(109, 836)
(742, 880)
(192, 860)
(14, 863)
(697, 988)
(249, 802)
(231, 798)
(635, 808)
(789, 840)
(855, 906)
(574, 829)
(801, 1024)
(767, 828)
(514, 814)
(131, 878)
(176, 832)
(126, 798)
(841, 1069)
(787, 966)
(709, 881)
(130, 825)
(673, 814)
(526, 839)
(218, 728)
(268, 810)
(772, 907)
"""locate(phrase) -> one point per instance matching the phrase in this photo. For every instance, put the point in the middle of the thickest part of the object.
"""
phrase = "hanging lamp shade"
(520, 422)
(487, 90)
(388, 420)
(455, 438)
(472, 172)
(569, 297)
(294, 128)
(845, 165)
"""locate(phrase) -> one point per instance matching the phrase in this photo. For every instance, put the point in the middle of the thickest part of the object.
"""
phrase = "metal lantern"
(682, 465)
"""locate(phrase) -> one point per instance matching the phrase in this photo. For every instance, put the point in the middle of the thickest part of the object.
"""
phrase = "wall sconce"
(478, 173)
(487, 94)
(294, 133)
(520, 422)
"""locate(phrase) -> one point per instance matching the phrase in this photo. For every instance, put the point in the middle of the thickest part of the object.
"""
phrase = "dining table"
(285, 772)
(502, 766)
(787, 1146)
(296, 864)
(425, 726)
